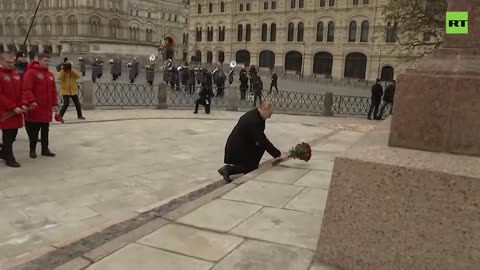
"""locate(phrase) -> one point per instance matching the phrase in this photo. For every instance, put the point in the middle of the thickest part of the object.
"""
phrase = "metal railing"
(182, 97)
(125, 94)
(59, 89)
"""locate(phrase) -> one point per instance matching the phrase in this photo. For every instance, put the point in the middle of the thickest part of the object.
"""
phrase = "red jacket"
(41, 83)
(10, 98)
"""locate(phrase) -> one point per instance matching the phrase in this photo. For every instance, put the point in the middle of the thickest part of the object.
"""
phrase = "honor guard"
(94, 70)
(115, 68)
(205, 95)
(100, 68)
(82, 65)
(131, 72)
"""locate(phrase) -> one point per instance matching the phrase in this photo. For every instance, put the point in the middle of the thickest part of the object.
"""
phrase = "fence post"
(328, 104)
(162, 95)
(88, 95)
(231, 98)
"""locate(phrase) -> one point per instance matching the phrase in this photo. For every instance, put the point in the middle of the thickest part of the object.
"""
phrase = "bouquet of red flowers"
(302, 151)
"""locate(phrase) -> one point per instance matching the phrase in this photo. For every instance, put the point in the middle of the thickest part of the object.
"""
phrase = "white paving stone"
(220, 215)
(313, 164)
(255, 255)
(310, 200)
(331, 147)
(316, 179)
(264, 193)
(281, 174)
(140, 257)
(192, 242)
(283, 227)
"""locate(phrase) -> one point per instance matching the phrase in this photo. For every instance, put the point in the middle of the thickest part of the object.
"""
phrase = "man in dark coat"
(115, 68)
(150, 73)
(94, 70)
(243, 78)
(221, 83)
(274, 82)
(387, 99)
(191, 80)
(257, 86)
(136, 66)
(100, 68)
(247, 143)
(131, 73)
(21, 63)
(377, 93)
(205, 95)
(31, 55)
(82, 66)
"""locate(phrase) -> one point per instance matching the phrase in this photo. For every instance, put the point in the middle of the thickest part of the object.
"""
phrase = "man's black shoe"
(224, 172)
(33, 154)
(47, 153)
(13, 163)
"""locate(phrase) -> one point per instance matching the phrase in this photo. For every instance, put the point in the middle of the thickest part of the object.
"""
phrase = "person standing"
(115, 68)
(243, 78)
(191, 80)
(387, 99)
(94, 70)
(221, 83)
(257, 85)
(41, 83)
(205, 95)
(247, 143)
(150, 73)
(131, 72)
(82, 65)
(21, 63)
(12, 100)
(31, 54)
(136, 66)
(274, 82)
(100, 68)
(377, 93)
(68, 80)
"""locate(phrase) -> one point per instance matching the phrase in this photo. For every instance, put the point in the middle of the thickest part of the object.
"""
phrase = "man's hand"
(18, 110)
(34, 105)
(283, 157)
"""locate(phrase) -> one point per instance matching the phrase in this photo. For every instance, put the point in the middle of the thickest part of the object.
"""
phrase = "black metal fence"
(60, 98)
(125, 94)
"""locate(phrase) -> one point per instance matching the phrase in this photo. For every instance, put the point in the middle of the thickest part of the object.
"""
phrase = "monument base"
(395, 208)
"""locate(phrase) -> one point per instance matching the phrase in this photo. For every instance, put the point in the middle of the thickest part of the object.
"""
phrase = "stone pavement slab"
(283, 227)
(192, 242)
(313, 164)
(310, 200)
(331, 147)
(315, 179)
(264, 193)
(140, 257)
(256, 255)
(281, 174)
(317, 265)
(220, 215)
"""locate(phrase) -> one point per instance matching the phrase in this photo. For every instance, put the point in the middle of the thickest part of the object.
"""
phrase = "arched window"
(331, 32)
(72, 25)
(59, 25)
(95, 27)
(322, 3)
(247, 7)
(364, 32)
(210, 33)
(222, 7)
(319, 32)
(149, 35)
(273, 32)
(221, 57)
(391, 32)
(221, 33)
(199, 9)
(301, 3)
(293, 3)
(264, 32)
(199, 34)
(352, 31)
(240, 33)
(241, 7)
(22, 26)
(114, 28)
(274, 5)
(210, 8)
(9, 27)
(331, 3)
(209, 57)
(47, 26)
(248, 32)
(291, 30)
(300, 32)
(265, 5)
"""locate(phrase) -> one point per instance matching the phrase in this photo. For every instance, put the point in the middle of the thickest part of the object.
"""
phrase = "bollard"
(162, 95)
(328, 104)
(88, 95)
(231, 98)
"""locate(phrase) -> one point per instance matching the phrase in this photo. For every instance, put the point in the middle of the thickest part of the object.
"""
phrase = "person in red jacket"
(13, 103)
(41, 83)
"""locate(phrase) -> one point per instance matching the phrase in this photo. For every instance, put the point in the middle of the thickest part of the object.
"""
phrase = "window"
(241, 7)
(301, 3)
(248, 32)
(427, 36)
(149, 14)
(59, 26)
(391, 33)
(292, 3)
(184, 38)
(175, 18)
(274, 5)
(364, 32)
(352, 32)
(149, 35)
(131, 12)
(291, 29)
(331, 32)
(222, 7)
(136, 13)
(300, 31)
(199, 9)
(264, 32)
(72, 26)
(47, 26)
(210, 8)
(114, 25)
(169, 17)
(221, 33)
(265, 5)
(199, 34)
(355, 2)
(319, 32)
(331, 3)
(95, 27)
(248, 7)
(240, 33)
(322, 3)
(273, 32)
(365, 2)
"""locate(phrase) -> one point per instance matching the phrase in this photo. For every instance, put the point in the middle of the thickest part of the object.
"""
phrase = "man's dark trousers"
(374, 105)
(33, 128)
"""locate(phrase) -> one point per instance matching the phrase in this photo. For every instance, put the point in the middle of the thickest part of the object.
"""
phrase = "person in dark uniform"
(257, 86)
(115, 68)
(205, 95)
(100, 68)
(247, 143)
(21, 63)
(243, 78)
(230, 76)
(387, 99)
(136, 66)
(131, 72)
(94, 70)
(82, 65)
(150, 73)
(191, 80)
(274, 82)
(377, 93)
(221, 83)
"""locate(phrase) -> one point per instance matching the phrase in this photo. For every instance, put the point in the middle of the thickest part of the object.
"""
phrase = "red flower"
(301, 151)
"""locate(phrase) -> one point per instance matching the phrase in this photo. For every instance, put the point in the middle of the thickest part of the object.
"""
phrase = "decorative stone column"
(231, 98)
(88, 94)
(162, 96)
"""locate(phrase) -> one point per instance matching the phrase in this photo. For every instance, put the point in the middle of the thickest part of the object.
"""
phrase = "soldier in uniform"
(100, 68)
(221, 83)
(191, 80)
(243, 78)
(82, 65)
(136, 66)
(150, 73)
(115, 68)
(131, 72)
(205, 95)
(94, 70)
(257, 85)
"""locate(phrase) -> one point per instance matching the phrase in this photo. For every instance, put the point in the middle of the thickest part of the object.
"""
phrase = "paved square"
(312, 164)
(331, 147)
(264, 193)
(192, 242)
(310, 200)
(282, 175)
(255, 255)
(232, 214)
(140, 257)
(283, 227)
(317, 179)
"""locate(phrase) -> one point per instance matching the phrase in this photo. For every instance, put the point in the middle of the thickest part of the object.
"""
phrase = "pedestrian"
(387, 99)
(257, 85)
(247, 143)
(69, 90)
(205, 95)
(274, 82)
(12, 100)
(59, 66)
(21, 63)
(136, 66)
(377, 93)
(41, 83)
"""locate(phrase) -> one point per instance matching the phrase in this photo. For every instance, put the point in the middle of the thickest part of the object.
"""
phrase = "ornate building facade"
(331, 38)
(125, 27)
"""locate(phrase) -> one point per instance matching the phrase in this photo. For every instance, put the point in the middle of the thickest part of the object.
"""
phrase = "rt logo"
(457, 22)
